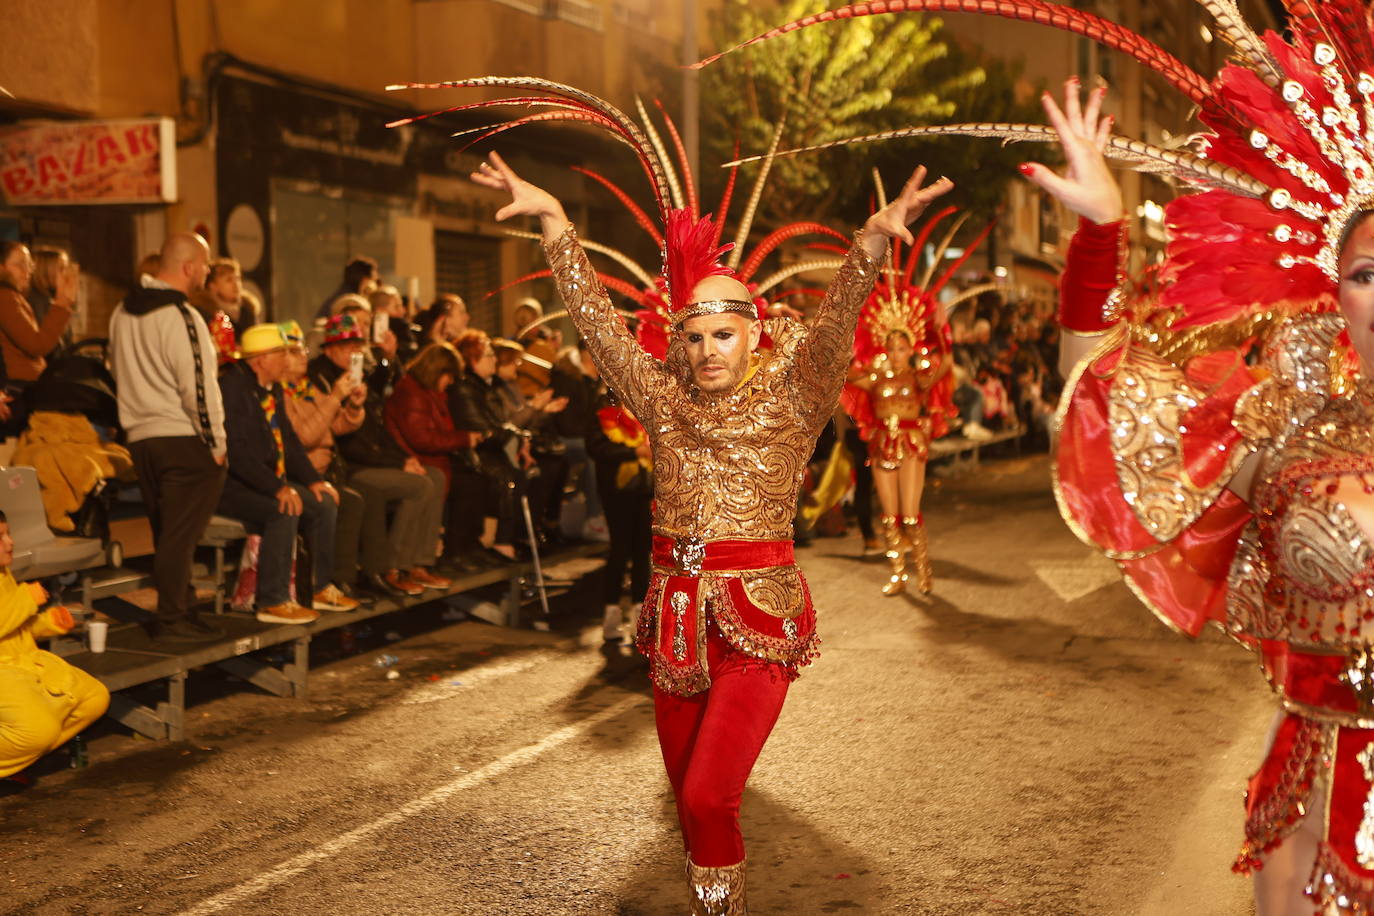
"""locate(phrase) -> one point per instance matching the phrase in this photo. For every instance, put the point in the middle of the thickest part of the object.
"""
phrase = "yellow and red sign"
(89, 162)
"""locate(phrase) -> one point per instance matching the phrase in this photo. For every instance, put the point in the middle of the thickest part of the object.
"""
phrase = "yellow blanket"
(70, 460)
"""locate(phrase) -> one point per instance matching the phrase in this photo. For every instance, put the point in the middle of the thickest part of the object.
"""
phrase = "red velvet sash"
(690, 590)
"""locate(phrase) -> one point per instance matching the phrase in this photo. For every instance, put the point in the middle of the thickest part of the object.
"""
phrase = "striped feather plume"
(1056, 15)
(1183, 165)
(1240, 36)
(654, 167)
(775, 238)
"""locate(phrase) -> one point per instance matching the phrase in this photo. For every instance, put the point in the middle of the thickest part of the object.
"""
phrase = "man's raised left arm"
(822, 357)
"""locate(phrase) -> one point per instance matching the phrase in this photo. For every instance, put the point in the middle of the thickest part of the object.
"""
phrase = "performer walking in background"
(901, 400)
(728, 619)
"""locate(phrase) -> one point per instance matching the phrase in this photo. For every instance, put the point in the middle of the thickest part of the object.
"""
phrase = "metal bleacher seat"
(38, 552)
(219, 534)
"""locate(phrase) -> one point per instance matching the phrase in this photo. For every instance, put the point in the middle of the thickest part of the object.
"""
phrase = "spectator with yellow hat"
(272, 486)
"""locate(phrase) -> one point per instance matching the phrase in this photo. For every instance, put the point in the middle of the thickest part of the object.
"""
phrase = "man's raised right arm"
(628, 369)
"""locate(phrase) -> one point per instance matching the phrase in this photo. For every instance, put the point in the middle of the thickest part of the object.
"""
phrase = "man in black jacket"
(272, 485)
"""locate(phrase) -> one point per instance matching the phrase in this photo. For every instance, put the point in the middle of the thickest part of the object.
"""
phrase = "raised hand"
(891, 221)
(1087, 186)
(526, 199)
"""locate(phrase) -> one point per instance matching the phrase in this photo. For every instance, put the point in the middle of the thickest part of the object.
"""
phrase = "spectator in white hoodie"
(164, 364)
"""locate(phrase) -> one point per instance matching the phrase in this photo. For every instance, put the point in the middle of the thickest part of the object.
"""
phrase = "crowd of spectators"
(398, 447)
(1006, 375)
(378, 453)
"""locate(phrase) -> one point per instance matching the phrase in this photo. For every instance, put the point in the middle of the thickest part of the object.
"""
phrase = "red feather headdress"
(1288, 164)
(690, 243)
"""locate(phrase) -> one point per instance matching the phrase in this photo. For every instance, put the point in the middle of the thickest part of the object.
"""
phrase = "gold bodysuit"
(899, 399)
(727, 467)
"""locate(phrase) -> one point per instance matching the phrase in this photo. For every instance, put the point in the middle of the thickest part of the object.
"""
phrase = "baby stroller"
(76, 381)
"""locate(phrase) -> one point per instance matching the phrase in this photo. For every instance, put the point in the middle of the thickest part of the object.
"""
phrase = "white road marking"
(334, 847)
(1072, 580)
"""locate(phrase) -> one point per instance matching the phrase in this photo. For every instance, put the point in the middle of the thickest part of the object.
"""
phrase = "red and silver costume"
(728, 620)
(1160, 417)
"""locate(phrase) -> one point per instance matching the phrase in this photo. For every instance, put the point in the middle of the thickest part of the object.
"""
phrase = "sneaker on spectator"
(330, 598)
(595, 529)
(402, 584)
(428, 579)
(290, 612)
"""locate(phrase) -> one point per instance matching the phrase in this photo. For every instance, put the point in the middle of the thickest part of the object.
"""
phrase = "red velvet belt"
(906, 424)
(691, 556)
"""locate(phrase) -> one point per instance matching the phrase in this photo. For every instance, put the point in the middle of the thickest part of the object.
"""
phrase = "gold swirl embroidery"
(1247, 611)
(1149, 399)
(778, 594)
(1320, 549)
(725, 465)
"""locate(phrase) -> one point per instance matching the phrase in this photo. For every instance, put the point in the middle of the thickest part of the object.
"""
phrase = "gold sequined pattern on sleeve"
(1150, 398)
(631, 372)
(829, 344)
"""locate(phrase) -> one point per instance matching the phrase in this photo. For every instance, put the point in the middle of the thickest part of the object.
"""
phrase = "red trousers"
(710, 742)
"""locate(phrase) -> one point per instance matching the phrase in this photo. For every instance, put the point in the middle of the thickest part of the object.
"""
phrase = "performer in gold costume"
(728, 619)
(900, 397)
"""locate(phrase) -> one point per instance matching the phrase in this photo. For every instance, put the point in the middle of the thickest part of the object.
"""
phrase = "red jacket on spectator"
(419, 421)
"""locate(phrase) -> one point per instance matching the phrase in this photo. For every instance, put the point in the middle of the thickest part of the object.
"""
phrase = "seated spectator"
(381, 367)
(224, 292)
(445, 319)
(389, 313)
(272, 485)
(383, 472)
(418, 417)
(23, 341)
(359, 278)
(495, 470)
(548, 460)
(44, 701)
(318, 415)
(541, 341)
(576, 378)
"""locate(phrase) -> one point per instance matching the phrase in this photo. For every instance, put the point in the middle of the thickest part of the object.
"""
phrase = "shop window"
(314, 234)
(470, 265)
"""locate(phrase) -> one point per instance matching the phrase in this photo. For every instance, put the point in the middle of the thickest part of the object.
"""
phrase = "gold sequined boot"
(717, 891)
(896, 555)
(920, 553)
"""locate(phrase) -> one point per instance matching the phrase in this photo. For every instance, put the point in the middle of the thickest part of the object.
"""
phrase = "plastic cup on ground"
(96, 631)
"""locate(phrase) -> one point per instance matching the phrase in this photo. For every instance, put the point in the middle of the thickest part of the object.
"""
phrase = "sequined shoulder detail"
(1297, 356)
(1150, 398)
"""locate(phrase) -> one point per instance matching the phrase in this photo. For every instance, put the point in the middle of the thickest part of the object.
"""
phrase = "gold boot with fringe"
(896, 555)
(920, 553)
(717, 891)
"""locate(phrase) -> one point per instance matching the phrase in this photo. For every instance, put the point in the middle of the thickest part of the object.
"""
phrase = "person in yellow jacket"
(44, 701)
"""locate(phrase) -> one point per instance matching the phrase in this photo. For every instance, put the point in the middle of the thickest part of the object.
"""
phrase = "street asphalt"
(1027, 740)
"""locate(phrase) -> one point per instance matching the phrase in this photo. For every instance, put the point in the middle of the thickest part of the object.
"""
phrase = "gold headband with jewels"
(715, 307)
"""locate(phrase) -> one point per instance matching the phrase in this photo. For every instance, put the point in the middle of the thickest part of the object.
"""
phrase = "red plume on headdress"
(691, 255)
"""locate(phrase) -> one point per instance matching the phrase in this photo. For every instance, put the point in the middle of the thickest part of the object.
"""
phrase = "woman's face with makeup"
(1357, 290)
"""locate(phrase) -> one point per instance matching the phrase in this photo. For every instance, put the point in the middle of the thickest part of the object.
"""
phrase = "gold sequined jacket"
(727, 467)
